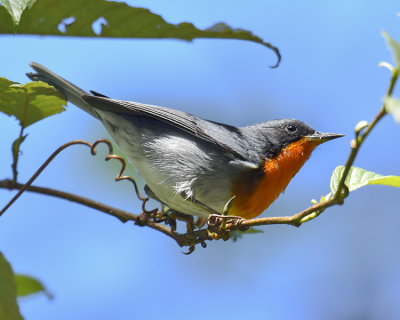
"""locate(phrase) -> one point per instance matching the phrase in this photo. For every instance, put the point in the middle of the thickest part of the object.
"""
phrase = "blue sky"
(343, 265)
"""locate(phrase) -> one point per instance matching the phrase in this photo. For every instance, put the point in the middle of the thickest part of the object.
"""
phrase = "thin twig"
(355, 147)
(337, 199)
(229, 223)
(121, 215)
(42, 167)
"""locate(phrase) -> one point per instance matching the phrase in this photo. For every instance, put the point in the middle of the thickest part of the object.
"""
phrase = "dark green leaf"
(394, 47)
(8, 293)
(392, 106)
(99, 18)
(358, 178)
(16, 7)
(27, 285)
(30, 102)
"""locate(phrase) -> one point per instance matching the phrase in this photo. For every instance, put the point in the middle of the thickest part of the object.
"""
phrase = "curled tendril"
(219, 226)
(39, 171)
(93, 150)
(119, 176)
(152, 218)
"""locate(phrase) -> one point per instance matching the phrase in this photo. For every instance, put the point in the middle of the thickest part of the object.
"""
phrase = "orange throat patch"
(255, 191)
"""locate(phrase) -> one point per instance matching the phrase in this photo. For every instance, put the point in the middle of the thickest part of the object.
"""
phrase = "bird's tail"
(71, 92)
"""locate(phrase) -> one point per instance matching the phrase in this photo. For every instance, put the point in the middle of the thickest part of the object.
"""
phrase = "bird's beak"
(320, 137)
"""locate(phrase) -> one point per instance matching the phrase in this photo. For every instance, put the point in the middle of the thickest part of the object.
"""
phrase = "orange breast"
(256, 190)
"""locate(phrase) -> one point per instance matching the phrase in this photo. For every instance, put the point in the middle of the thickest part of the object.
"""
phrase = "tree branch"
(219, 226)
(122, 215)
(146, 218)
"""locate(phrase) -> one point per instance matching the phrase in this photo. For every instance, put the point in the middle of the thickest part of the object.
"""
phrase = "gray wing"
(226, 137)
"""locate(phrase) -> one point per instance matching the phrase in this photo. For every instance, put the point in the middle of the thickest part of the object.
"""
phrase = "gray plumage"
(181, 157)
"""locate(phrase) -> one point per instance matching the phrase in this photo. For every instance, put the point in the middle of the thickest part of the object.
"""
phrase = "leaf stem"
(16, 146)
(15, 152)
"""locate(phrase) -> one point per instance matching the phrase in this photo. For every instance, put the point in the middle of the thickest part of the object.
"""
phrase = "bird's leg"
(200, 222)
(170, 216)
(165, 214)
(217, 224)
(193, 199)
(189, 220)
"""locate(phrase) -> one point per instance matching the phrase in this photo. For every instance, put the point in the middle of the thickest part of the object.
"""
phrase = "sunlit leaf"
(394, 47)
(99, 18)
(29, 102)
(8, 293)
(27, 285)
(358, 178)
(392, 106)
(16, 7)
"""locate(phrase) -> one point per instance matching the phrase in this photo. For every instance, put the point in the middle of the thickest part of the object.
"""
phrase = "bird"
(196, 166)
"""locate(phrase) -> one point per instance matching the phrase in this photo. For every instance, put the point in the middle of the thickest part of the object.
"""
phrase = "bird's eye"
(290, 128)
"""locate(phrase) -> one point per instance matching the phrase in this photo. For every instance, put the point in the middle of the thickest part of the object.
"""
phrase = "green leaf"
(238, 234)
(358, 178)
(99, 18)
(30, 102)
(392, 106)
(27, 285)
(8, 293)
(16, 7)
(394, 46)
